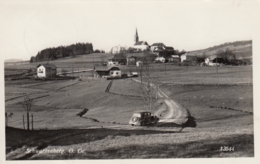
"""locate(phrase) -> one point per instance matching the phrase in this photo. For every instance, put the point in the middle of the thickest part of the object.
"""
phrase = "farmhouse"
(213, 59)
(157, 47)
(186, 57)
(139, 63)
(46, 70)
(121, 59)
(101, 71)
(174, 59)
(131, 60)
(111, 63)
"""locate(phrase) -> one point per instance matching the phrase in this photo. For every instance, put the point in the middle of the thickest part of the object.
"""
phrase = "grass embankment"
(110, 144)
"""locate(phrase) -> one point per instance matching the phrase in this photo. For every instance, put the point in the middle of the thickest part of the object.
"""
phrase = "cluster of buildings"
(135, 55)
(158, 52)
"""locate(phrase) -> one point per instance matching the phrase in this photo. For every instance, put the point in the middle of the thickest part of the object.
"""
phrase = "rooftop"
(105, 68)
(119, 56)
(52, 66)
(158, 44)
(141, 43)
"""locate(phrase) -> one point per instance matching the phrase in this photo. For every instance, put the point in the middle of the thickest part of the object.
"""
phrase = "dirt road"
(173, 112)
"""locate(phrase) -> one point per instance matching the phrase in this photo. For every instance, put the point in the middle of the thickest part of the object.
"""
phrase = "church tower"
(136, 36)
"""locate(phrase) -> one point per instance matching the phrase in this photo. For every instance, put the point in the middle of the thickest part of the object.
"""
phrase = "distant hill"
(242, 49)
(54, 53)
(12, 60)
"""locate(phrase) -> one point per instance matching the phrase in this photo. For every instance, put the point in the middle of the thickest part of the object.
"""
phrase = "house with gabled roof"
(46, 70)
(157, 47)
(119, 58)
(174, 59)
(104, 71)
(131, 60)
(213, 59)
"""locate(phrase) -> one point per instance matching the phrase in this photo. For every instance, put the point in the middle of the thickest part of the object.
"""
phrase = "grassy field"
(222, 105)
(80, 61)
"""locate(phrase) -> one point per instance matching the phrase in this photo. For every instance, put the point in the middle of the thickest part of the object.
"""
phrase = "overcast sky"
(28, 26)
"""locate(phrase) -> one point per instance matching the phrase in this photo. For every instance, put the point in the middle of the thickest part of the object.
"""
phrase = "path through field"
(173, 113)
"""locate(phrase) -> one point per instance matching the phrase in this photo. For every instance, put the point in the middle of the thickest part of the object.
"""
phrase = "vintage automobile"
(143, 118)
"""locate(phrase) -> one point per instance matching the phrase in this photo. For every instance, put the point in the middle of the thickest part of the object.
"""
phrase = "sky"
(30, 26)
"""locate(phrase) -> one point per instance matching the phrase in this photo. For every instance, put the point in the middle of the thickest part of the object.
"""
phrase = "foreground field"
(222, 111)
(143, 143)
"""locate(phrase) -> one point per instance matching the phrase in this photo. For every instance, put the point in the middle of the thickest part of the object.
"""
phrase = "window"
(117, 73)
(111, 73)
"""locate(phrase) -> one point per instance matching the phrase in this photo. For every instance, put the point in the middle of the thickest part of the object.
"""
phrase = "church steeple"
(136, 36)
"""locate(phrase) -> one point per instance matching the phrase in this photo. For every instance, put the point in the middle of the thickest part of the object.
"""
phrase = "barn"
(121, 59)
(101, 71)
(131, 60)
(174, 59)
(213, 59)
(46, 70)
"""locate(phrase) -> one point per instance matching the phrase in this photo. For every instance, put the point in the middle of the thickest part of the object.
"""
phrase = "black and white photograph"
(124, 80)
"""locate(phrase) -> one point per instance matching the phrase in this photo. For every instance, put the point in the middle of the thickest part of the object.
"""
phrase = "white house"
(102, 71)
(112, 63)
(183, 57)
(157, 47)
(213, 60)
(139, 63)
(46, 70)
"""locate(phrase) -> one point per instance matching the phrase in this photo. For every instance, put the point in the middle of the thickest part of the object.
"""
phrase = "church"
(140, 45)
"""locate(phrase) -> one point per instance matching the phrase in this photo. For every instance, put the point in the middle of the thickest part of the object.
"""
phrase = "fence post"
(28, 121)
(23, 123)
(32, 121)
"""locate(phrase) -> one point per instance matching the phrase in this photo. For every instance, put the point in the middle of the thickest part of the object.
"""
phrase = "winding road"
(173, 112)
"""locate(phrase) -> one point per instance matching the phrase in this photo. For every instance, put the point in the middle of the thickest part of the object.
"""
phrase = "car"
(143, 118)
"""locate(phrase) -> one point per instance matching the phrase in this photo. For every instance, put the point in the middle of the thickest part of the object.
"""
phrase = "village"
(143, 54)
(96, 98)
(146, 81)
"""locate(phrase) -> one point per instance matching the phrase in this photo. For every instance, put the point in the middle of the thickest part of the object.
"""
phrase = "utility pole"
(93, 69)
(32, 120)
(164, 68)
(217, 68)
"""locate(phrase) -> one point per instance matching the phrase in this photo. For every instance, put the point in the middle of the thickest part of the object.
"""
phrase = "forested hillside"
(62, 51)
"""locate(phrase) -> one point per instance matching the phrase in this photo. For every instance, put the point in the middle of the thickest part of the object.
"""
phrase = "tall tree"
(226, 55)
(27, 104)
(148, 83)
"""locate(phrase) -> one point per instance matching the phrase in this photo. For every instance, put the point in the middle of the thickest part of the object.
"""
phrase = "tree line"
(62, 51)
